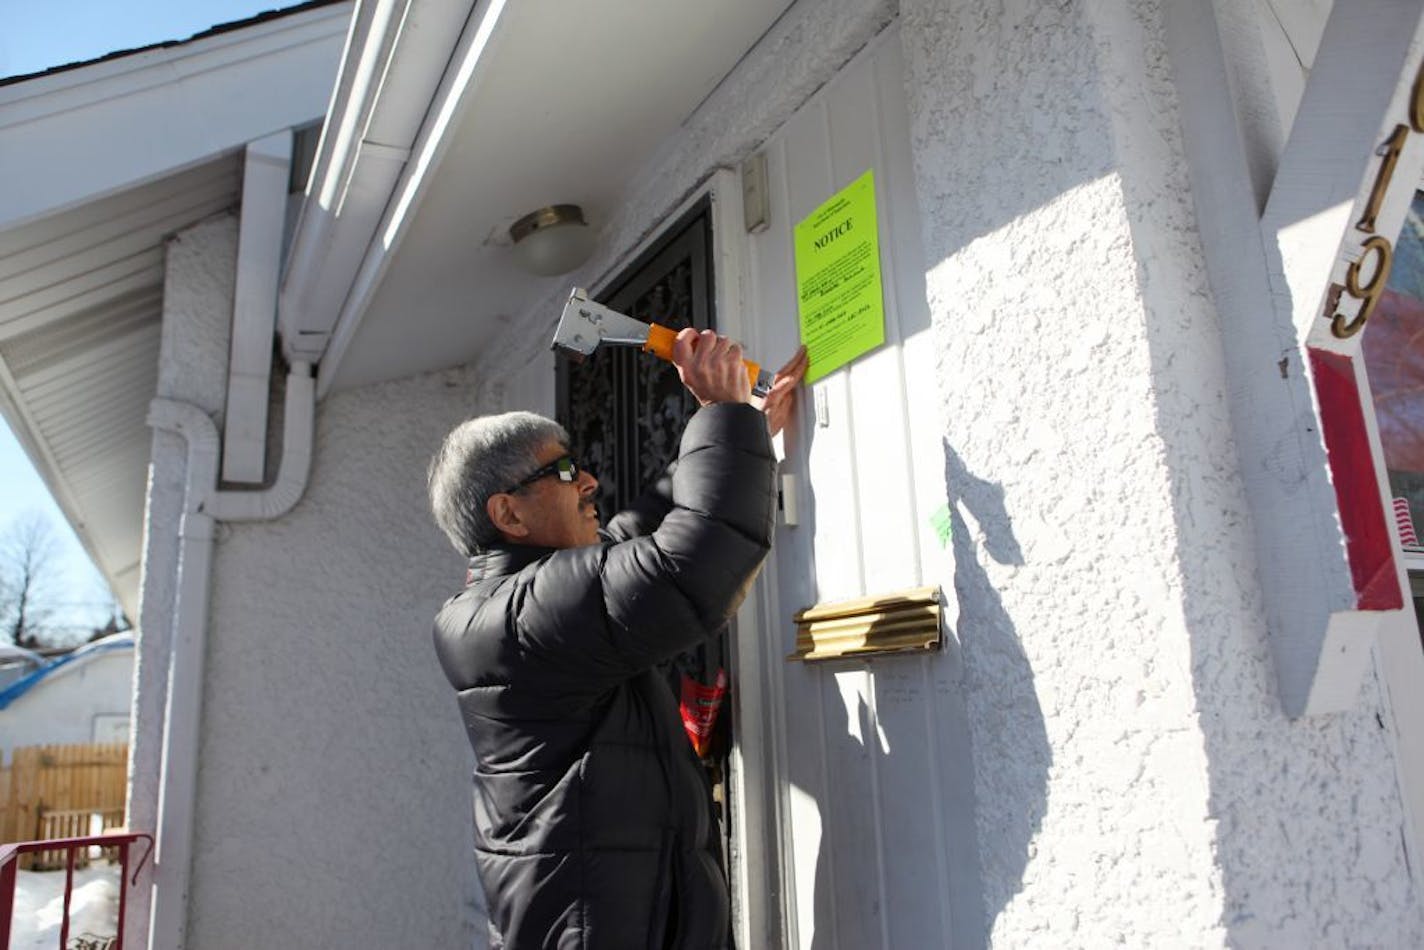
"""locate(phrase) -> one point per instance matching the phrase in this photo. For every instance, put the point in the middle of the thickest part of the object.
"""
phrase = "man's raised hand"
(711, 367)
(780, 403)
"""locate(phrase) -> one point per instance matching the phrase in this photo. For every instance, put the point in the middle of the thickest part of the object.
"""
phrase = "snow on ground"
(39, 906)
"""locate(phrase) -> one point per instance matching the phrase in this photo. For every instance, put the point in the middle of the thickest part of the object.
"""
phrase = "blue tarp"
(21, 686)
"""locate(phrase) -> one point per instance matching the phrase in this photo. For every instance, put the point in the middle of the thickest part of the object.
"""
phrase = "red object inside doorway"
(700, 705)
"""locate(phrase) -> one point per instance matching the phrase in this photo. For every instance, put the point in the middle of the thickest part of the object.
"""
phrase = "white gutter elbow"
(198, 430)
(298, 436)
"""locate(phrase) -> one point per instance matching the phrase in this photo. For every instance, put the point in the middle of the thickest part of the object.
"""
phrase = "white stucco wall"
(1178, 804)
(61, 709)
(333, 780)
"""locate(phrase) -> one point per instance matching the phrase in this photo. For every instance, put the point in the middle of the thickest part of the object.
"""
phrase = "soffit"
(81, 301)
(569, 101)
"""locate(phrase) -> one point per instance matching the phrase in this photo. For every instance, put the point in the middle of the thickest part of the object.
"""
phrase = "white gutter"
(203, 504)
(428, 150)
(373, 164)
(316, 270)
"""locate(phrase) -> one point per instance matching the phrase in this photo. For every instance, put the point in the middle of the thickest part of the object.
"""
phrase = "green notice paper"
(838, 278)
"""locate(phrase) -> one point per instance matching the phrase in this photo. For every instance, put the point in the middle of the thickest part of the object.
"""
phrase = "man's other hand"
(711, 367)
(780, 403)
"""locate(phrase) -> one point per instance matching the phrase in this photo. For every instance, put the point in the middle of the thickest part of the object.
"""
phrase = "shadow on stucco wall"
(843, 746)
(1009, 745)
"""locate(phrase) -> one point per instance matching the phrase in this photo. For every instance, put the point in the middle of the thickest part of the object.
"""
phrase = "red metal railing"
(10, 860)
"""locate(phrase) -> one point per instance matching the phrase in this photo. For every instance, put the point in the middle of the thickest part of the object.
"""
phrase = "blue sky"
(36, 35)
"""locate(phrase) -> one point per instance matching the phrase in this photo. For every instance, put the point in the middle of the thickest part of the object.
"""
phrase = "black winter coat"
(592, 819)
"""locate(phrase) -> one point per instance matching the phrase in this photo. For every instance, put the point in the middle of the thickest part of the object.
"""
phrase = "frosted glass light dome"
(552, 240)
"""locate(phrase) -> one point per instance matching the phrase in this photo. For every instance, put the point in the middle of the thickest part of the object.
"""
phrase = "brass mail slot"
(904, 622)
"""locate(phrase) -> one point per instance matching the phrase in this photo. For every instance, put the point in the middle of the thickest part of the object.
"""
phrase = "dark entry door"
(625, 411)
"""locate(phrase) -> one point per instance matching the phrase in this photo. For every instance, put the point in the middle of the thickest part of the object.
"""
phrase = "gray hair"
(479, 458)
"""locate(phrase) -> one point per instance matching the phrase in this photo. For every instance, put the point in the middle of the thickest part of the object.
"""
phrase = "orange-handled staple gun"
(584, 326)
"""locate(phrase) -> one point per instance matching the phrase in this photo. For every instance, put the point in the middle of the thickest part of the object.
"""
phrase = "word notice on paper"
(838, 278)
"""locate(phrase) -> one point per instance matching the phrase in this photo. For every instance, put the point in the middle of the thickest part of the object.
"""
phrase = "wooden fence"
(60, 791)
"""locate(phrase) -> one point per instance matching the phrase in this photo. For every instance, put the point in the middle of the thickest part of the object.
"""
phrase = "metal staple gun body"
(584, 326)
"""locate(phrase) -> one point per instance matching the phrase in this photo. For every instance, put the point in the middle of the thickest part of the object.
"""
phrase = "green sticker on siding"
(943, 525)
(838, 290)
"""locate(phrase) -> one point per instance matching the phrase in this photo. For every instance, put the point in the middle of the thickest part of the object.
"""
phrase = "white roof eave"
(160, 110)
(100, 148)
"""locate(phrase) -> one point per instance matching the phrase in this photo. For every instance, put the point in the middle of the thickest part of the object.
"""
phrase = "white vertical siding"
(867, 746)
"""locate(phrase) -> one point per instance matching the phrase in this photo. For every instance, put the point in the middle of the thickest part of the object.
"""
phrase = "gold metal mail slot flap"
(903, 622)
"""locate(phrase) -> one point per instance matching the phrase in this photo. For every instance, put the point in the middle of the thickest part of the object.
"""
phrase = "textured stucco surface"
(334, 781)
(199, 269)
(1178, 805)
(333, 805)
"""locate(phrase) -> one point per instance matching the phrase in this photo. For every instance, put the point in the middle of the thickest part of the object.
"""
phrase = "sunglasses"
(565, 466)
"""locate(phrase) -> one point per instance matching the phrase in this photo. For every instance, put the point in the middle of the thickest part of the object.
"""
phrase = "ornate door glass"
(625, 410)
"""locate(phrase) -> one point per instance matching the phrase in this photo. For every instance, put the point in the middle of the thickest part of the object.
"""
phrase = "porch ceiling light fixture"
(552, 240)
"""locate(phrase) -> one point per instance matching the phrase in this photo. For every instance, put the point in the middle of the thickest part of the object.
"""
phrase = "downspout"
(254, 319)
(178, 765)
(204, 504)
(255, 312)
(266, 171)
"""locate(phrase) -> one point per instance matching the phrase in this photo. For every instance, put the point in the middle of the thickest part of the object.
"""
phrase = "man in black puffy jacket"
(593, 826)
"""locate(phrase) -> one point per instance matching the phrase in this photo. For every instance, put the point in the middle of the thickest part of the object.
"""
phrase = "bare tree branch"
(30, 578)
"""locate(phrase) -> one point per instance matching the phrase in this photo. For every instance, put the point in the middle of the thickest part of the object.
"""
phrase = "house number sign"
(1349, 305)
